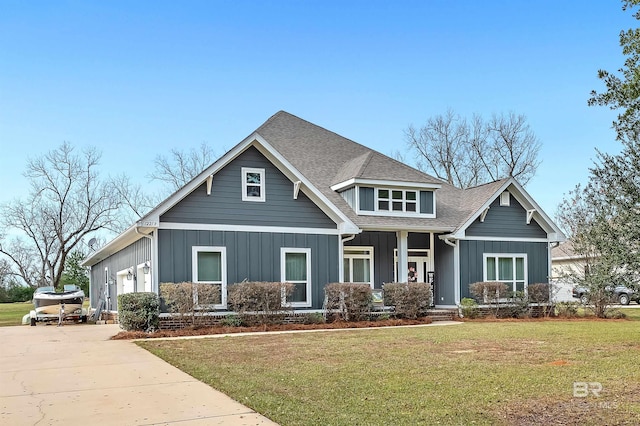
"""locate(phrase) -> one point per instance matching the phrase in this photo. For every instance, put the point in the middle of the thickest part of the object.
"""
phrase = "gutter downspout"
(552, 245)
(341, 254)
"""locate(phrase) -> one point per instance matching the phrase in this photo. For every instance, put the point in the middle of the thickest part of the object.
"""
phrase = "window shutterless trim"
(245, 185)
(223, 270)
(351, 256)
(283, 274)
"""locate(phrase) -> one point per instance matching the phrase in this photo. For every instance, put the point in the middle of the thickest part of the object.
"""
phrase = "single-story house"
(294, 202)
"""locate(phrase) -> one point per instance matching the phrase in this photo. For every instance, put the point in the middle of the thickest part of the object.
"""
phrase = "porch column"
(403, 256)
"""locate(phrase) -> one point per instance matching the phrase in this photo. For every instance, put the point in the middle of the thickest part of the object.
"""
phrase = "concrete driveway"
(74, 375)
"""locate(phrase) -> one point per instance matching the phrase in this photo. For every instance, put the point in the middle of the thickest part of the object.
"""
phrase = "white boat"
(50, 305)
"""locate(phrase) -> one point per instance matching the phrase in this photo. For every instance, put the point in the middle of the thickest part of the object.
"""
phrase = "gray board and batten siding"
(444, 286)
(506, 222)
(225, 206)
(252, 256)
(384, 243)
(472, 260)
(133, 255)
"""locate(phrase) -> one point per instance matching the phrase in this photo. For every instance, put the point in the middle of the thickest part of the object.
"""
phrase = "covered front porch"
(379, 257)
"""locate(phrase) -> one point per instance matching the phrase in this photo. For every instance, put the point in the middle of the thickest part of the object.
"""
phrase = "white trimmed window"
(209, 266)
(358, 265)
(397, 200)
(510, 269)
(253, 184)
(295, 268)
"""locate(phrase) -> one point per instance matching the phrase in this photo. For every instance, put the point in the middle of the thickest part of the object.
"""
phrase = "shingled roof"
(326, 159)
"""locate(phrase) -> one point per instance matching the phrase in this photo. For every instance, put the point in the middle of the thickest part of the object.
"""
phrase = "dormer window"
(397, 200)
(253, 184)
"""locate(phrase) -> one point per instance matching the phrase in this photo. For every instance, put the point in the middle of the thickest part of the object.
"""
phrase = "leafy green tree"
(603, 218)
(614, 186)
(74, 273)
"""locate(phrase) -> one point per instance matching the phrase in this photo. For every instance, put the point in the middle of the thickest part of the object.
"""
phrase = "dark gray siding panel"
(367, 202)
(471, 260)
(254, 256)
(506, 221)
(131, 256)
(418, 240)
(426, 202)
(225, 205)
(383, 244)
(444, 289)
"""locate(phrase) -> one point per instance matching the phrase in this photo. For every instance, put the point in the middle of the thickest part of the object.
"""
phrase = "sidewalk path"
(74, 375)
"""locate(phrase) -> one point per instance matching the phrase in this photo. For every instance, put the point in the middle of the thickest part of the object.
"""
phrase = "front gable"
(277, 203)
(506, 221)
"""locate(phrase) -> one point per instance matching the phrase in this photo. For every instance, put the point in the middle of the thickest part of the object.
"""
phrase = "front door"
(417, 267)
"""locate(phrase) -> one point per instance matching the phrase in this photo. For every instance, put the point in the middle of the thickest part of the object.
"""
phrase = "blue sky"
(137, 79)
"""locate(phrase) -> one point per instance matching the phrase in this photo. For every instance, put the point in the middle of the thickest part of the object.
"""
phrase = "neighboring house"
(295, 202)
(566, 265)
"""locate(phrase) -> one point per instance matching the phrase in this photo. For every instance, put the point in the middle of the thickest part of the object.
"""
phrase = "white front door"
(417, 267)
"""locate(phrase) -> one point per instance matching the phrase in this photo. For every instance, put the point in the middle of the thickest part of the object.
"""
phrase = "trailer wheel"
(33, 322)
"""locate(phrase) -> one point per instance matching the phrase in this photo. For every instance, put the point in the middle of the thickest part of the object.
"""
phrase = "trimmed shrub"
(518, 306)
(189, 299)
(231, 321)
(539, 292)
(260, 302)
(489, 291)
(350, 301)
(469, 308)
(567, 309)
(410, 300)
(139, 311)
(314, 318)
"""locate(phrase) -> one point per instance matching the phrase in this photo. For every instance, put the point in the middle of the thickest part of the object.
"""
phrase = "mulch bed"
(201, 331)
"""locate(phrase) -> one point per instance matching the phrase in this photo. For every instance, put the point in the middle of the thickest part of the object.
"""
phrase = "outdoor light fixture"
(146, 268)
(129, 274)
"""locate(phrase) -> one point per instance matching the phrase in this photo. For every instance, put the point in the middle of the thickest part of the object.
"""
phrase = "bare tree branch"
(182, 166)
(67, 202)
(467, 154)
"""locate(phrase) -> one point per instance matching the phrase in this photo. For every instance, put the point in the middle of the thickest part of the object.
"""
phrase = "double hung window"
(252, 184)
(295, 268)
(510, 269)
(358, 265)
(209, 268)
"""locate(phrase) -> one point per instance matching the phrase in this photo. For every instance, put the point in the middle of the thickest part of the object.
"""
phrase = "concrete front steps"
(443, 314)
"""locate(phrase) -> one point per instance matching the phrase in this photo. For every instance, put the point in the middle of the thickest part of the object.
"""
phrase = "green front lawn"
(482, 373)
(12, 313)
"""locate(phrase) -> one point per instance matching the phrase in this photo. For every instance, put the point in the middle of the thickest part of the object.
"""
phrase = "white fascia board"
(248, 228)
(152, 219)
(416, 228)
(518, 239)
(460, 233)
(126, 238)
(384, 183)
(176, 197)
(306, 187)
(553, 232)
